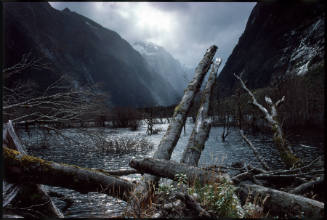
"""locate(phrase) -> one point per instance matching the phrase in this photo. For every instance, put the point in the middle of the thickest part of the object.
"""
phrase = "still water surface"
(216, 152)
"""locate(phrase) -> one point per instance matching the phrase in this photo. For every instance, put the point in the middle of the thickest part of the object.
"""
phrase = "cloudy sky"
(185, 29)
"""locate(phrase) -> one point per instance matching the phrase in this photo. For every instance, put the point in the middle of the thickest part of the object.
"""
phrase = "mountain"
(165, 64)
(280, 39)
(83, 49)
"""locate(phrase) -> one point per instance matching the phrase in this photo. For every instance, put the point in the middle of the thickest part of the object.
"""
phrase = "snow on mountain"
(162, 62)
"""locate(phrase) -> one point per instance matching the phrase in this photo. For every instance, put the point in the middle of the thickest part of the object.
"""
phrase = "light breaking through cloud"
(185, 29)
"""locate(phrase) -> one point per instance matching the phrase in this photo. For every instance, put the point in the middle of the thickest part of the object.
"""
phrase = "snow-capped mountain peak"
(161, 61)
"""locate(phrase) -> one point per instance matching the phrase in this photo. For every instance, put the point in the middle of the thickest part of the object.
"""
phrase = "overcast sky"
(185, 29)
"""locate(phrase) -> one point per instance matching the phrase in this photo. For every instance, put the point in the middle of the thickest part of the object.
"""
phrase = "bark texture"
(279, 202)
(201, 129)
(168, 169)
(168, 142)
(27, 169)
(17, 190)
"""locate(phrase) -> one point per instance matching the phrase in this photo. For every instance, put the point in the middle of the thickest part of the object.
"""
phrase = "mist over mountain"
(165, 64)
(83, 49)
(279, 40)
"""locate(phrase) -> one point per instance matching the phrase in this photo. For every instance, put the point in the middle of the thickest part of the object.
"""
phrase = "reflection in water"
(215, 152)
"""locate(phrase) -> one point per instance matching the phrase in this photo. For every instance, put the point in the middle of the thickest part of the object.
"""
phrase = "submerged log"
(201, 129)
(168, 169)
(281, 203)
(168, 142)
(27, 169)
(256, 153)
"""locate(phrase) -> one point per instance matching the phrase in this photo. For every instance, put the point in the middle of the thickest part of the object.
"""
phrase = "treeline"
(303, 107)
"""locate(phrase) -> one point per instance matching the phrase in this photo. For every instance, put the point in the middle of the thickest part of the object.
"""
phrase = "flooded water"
(64, 150)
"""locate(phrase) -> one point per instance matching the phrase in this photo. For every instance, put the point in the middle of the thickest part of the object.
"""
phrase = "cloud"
(185, 29)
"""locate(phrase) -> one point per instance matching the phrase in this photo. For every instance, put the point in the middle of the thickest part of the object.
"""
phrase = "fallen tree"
(167, 144)
(17, 190)
(169, 169)
(281, 203)
(27, 169)
(277, 202)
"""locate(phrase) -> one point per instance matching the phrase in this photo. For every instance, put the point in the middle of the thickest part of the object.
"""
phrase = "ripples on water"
(216, 152)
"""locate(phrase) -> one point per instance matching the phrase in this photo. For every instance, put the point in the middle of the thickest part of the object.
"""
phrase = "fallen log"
(18, 191)
(306, 186)
(169, 169)
(282, 203)
(201, 129)
(121, 172)
(288, 176)
(167, 144)
(27, 169)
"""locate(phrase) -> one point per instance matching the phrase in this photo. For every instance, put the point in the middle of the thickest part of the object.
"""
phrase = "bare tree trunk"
(169, 141)
(46, 206)
(202, 124)
(21, 168)
(279, 202)
(285, 151)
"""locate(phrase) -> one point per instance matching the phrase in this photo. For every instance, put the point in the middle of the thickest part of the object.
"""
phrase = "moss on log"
(28, 169)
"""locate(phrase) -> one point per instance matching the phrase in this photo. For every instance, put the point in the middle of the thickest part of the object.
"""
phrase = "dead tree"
(28, 169)
(169, 141)
(169, 169)
(54, 107)
(271, 117)
(13, 190)
(202, 124)
(279, 203)
(226, 127)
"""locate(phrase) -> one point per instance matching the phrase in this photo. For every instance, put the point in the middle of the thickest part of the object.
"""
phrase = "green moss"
(25, 159)
(177, 108)
(9, 153)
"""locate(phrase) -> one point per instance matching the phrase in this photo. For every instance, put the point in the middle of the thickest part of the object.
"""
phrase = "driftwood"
(280, 203)
(168, 142)
(168, 169)
(201, 129)
(27, 169)
(284, 149)
(15, 191)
